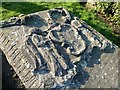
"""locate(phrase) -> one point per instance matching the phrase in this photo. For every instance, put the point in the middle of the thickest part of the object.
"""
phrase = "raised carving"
(57, 45)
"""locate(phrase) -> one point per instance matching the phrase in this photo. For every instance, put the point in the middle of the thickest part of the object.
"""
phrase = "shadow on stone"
(35, 21)
(79, 79)
(95, 56)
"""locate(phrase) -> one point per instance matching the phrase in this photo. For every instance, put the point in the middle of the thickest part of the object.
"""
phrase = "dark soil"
(9, 78)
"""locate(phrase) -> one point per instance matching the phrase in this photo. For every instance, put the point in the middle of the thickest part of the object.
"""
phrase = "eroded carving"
(61, 50)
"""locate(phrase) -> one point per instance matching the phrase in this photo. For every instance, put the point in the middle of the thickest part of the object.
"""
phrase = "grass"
(10, 9)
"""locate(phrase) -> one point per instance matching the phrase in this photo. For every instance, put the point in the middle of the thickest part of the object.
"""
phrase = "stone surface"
(60, 51)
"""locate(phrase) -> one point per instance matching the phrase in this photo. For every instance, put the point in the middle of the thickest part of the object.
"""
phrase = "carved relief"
(61, 48)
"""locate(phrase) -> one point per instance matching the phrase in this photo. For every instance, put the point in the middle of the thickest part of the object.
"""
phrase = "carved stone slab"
(54, 49)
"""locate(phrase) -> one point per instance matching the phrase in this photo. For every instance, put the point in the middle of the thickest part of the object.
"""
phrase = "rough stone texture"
(54, 49)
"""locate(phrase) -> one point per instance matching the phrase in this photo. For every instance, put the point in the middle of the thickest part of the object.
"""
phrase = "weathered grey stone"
(54, 49)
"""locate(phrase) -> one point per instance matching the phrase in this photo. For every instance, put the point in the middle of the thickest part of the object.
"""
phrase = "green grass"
(10, 9)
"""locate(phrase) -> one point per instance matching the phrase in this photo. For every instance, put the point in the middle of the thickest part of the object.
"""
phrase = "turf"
(10, 9)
